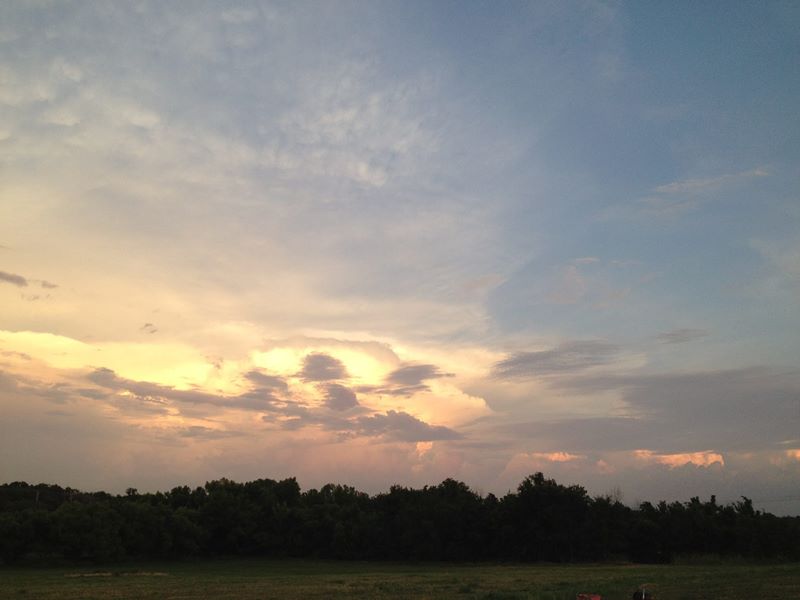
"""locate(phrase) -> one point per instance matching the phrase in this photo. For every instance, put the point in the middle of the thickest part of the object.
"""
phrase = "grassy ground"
(288, 580)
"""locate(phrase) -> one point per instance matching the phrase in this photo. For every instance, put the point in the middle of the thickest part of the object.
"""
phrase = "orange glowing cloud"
(559, 457)
(698, 459)
(524, 463)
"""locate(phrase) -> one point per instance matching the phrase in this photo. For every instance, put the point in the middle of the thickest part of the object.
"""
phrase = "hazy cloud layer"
(732, 410)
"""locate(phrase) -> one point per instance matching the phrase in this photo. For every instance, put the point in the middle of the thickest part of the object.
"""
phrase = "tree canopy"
(541, 521)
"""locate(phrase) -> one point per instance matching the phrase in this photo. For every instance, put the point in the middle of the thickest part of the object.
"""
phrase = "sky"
(382, 243)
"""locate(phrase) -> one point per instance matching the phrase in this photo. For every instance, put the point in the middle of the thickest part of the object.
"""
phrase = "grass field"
(288, 580)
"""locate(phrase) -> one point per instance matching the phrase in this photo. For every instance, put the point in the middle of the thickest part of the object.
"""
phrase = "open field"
(287, 580)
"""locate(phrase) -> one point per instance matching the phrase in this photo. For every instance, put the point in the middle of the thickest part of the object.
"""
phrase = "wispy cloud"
(258, 399)
(694, 186)
(681, 336)
(678, 197)
(569, 357)
(13, 279)
(407, 380)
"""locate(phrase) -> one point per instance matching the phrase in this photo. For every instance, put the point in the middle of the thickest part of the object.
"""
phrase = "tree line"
(541, 521)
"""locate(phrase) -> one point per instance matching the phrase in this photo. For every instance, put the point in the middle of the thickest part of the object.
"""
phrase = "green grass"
(288, 580)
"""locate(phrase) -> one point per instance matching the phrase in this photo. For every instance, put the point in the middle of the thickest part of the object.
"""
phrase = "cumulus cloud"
(569, 357)
(322, 367)
(13, 279)
(705, 458)
(339, 397)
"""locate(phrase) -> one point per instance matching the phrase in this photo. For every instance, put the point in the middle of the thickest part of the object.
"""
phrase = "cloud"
(13, 279)
(743, 409)
(322, 367)
(401, 426)
(705, 458)
(148, 328)
(406, 380)
(48, 285)
(339, 397)
(15, 354)
(55, 392)
(270, 382)
(415, 374)
(681, 336)
(783, 256)
(206, 433)
(257, 400)
(569, 357)
(693, 186)
(677, 197)
(398, 426)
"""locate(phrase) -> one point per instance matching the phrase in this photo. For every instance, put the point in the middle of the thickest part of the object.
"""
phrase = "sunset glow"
(389, 244)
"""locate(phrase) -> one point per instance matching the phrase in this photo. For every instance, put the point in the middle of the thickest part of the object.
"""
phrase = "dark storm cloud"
(339, 397)
(322, 367)
(13, 279)
(744, 410)
(569, 357)
(258, 399)
(681, 336)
